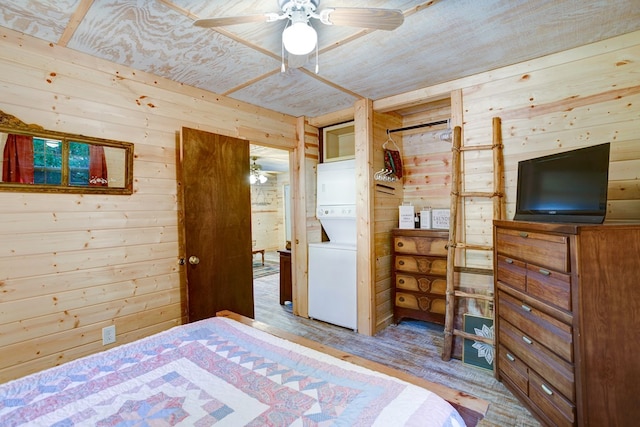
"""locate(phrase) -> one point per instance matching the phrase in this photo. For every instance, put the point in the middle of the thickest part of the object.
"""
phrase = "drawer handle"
(527, 340)
(508, 260)
(401, 299)
(546, 389)
(544, 272)
(523, 234)
(400, 244)
(401, 281)
(401, 262)
(525, 307)
(511, 358)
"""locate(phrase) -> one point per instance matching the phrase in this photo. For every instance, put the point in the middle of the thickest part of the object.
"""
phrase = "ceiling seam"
(74, 22)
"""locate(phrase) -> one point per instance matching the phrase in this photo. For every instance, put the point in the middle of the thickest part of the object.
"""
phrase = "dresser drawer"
(424, 265)
(547, 250)
(429, 284)
(513, 368)
(556, 370)
(549, 286)
(420, 245)
(438, 305)
(548, 331)
(420, 302)
(552, 403)
(512, 272)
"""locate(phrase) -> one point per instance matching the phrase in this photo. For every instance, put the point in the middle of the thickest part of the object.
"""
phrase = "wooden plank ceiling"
(440, 40)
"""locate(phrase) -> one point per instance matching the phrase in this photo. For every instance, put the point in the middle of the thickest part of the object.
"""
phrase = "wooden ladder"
(456, 246)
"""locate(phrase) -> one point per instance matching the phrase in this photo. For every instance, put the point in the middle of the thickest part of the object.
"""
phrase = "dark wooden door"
(214, 171)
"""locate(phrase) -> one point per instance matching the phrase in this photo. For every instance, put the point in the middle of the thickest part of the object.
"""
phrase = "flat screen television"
(564, 187)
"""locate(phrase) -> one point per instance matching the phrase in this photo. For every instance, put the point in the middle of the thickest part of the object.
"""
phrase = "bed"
(229, 371)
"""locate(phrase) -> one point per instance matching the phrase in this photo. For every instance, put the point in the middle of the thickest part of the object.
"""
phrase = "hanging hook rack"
(389, 139)
(386, 175)
(392, 171)
(393, 166)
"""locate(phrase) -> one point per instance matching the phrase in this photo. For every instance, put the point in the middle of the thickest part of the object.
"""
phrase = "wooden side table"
(259, 251)
(286, 292)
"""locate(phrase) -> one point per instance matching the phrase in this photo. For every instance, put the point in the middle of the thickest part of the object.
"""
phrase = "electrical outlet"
(109, 335)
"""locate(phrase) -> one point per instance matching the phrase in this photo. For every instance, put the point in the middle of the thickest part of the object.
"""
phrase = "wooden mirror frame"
(11, 125)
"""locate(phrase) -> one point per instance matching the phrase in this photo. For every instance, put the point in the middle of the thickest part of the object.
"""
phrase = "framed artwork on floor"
(478, 353)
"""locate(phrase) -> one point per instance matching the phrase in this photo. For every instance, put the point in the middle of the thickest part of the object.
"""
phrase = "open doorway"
(270, 225)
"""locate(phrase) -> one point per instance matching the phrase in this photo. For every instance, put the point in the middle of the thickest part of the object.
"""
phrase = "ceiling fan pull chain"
(317, 63)
(282, 67)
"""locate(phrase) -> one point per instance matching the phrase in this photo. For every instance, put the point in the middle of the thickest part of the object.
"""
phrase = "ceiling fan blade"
(231, 20)
(379, 19)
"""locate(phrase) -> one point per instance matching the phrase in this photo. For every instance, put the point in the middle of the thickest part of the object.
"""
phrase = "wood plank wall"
(573, 99)
(387, 196)
(427, 160)
(581, 97)
(586, 96)
(306, 227)
(267, 213)
(73, 264)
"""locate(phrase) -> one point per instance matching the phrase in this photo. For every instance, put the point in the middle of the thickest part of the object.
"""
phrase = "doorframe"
(299, 248)
(298, 173)
(234, 299)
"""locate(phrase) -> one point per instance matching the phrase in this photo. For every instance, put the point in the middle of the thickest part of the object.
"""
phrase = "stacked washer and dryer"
(332, 264)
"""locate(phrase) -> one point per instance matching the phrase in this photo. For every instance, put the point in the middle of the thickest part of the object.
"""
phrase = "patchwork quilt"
(217, 372)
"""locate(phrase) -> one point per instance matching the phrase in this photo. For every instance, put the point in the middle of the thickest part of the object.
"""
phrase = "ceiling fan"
(299, 38)
(256, 174)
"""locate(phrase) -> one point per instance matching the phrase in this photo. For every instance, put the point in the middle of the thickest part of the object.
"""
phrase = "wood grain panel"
(267, 214)
(217, 217)
(80, 351)
(23, 351)
(79, 306)
(385, 216)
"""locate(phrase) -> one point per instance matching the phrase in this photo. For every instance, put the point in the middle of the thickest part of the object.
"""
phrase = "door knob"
(193, 260)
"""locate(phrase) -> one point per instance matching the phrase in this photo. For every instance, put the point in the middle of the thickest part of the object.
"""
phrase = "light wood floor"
(411, 346)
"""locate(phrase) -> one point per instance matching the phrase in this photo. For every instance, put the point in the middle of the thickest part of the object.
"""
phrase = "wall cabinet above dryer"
(338, 142)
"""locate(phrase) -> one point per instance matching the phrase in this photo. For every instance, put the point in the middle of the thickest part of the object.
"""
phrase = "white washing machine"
(332, 264)
(332, 284)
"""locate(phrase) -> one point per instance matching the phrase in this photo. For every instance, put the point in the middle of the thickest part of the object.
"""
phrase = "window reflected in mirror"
(47, 163)
(51, 161)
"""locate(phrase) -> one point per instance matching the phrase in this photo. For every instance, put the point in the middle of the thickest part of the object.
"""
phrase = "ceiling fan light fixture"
(256, 178)
(299, 38)
(255, 174)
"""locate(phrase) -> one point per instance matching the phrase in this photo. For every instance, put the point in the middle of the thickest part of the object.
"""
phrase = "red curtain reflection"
(97, 167)
(17, 165)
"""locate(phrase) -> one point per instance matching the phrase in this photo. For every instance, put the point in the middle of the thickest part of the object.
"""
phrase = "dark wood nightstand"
(286, 293)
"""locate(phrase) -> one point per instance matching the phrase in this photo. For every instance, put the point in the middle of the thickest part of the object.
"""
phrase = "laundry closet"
(332, 262)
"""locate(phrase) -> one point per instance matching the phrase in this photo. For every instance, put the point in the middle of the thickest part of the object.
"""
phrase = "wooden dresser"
(286, 291)
(568, 320)
(419, 274)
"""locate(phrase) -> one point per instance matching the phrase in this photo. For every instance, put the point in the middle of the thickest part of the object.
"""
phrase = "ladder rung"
(477, 147)
(474, 337)
(473, 270)
(478, 194)
(461, 294)
(461, 245)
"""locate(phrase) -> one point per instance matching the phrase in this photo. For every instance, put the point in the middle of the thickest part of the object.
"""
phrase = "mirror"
(37, 160)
